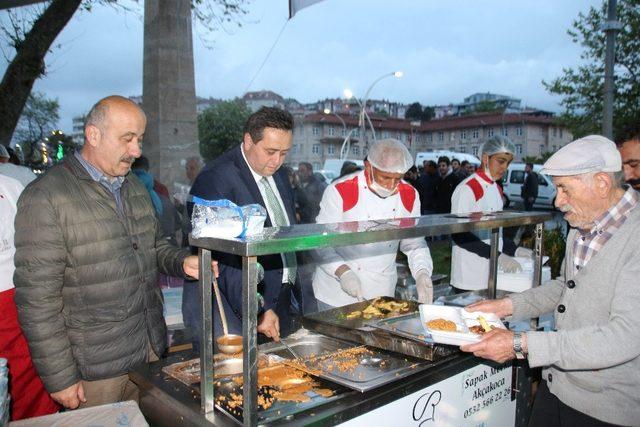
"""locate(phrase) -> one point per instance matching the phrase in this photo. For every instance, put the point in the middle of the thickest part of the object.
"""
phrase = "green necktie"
(280, 220)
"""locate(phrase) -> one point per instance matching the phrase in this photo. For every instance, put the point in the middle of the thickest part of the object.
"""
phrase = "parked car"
(332, 167)
(512, 185)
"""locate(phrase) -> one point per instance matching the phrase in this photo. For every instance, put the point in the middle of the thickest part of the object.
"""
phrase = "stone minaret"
(168, 89)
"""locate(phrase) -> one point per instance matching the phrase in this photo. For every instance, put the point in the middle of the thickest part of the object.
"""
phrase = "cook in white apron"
(349, 274)
(481, 193)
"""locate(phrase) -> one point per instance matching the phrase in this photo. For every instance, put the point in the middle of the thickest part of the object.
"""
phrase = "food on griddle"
(442, 325)
(345, 360)
(275, 383)
(379, 308)
(324, 392)
(354, 314)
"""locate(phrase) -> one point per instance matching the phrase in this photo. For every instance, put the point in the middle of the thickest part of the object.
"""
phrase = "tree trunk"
(28, 64)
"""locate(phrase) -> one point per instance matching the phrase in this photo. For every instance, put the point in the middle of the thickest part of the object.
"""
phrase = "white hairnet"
(498, 144)
(390, 155)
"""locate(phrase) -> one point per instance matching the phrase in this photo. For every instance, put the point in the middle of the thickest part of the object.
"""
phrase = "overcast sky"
(446, 49)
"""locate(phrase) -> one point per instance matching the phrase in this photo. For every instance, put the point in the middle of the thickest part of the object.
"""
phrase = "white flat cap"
(593, 153)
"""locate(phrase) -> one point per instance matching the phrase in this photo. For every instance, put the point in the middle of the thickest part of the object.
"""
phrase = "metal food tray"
(466, 298)
(338, 316)
(335, 324)
(373, 368)
(188, 371)
(306, 345)
(320, 356)
(280, 409)
(408, 326)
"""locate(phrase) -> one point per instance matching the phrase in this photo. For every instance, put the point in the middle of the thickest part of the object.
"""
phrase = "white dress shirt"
(274, 187)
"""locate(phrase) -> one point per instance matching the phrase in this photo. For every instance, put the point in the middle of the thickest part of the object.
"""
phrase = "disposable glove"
(508, 264)
(350, 283)
(424, 287)
(524, 253)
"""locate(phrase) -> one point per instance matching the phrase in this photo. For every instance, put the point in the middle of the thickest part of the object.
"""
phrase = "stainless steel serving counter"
(166, 401)
(311, 236)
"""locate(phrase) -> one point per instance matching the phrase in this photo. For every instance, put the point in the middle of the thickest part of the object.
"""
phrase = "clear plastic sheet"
(226, 220)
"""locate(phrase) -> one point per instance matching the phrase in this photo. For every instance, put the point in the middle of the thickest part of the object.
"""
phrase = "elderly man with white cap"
(591, 360)
(480, 192)
(349, 274)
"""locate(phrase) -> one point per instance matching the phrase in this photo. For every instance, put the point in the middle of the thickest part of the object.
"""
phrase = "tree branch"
(28, 64)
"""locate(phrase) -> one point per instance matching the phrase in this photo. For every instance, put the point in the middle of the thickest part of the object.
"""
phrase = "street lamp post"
(363, 107)
(345, 143)
(610, 27)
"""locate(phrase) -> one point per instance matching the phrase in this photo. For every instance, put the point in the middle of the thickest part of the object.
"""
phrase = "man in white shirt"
(20, 173)
(481, 193)
(349, 274)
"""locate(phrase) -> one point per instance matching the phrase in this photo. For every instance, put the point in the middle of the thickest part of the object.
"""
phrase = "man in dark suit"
(529, 190)
(445, 186)
(309, 193)
(251, 173)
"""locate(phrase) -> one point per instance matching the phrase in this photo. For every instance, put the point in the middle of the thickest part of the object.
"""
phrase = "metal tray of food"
(360, 368)
(188, 371)
(356, 367)
(334, 323)
(345, 316)
(305, 345)
(282, 392)
(408, 326)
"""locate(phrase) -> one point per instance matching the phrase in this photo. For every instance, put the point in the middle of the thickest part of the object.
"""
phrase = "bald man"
(88, 252)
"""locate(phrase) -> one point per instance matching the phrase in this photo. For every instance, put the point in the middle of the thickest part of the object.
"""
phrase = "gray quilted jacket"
(86, 277)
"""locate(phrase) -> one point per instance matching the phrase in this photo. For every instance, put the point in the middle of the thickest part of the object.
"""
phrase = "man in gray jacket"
(591, 361)
(88, 252)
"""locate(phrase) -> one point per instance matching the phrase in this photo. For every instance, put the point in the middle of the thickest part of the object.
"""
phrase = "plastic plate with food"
(455, 325)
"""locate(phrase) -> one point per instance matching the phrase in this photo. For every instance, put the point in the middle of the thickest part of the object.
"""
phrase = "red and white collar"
(484, 176)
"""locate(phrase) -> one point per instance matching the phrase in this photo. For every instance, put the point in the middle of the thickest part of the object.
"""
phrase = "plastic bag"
(224, 219)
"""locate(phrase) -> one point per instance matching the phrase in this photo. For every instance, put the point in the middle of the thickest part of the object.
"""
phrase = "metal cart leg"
(537, 264)
(206, 337)
(493, 263)
(249, 342)
(537, 255)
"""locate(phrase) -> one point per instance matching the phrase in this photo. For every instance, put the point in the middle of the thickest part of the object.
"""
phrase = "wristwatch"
(517, 345)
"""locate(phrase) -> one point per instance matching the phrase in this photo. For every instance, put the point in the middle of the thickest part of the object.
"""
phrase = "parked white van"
(434, 155)
(512, 185)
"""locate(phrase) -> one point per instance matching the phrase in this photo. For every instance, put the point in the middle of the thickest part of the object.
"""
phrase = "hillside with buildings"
(321, 127)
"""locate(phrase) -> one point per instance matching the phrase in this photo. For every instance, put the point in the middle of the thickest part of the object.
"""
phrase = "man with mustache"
(591, 361)
(630, 152)
(88, 252)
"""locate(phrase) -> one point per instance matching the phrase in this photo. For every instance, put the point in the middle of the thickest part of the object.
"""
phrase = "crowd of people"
(81, 304)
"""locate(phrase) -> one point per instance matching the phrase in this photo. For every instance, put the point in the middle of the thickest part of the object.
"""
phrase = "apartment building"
(263, 98)
(319, 136)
